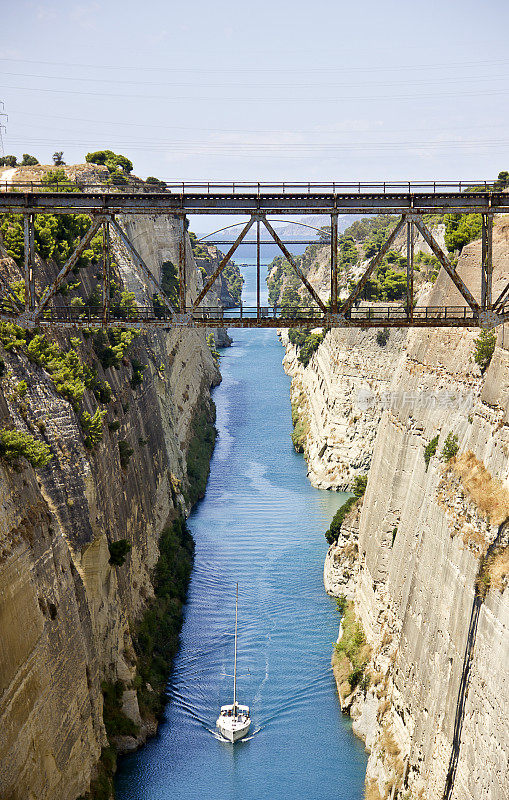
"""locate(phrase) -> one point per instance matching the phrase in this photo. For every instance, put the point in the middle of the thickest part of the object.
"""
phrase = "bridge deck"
(392, 316)
(303, 198)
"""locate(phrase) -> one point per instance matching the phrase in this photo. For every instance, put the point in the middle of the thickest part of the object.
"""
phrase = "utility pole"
(3, 128)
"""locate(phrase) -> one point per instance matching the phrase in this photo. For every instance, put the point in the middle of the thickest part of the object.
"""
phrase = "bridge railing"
(258, 188)
(308, 314)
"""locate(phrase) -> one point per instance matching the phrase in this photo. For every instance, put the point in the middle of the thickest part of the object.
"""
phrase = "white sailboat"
(233, 721)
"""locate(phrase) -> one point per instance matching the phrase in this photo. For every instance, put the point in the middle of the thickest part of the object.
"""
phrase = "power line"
(279, 149)
(208, 70)
(193, 99)
(242, 85)
(315, 132)
(2, 127)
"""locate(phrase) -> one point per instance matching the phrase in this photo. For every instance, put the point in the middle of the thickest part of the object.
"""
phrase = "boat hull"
(232, 730)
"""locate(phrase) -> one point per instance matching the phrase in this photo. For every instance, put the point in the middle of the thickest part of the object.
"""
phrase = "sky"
(272, 90)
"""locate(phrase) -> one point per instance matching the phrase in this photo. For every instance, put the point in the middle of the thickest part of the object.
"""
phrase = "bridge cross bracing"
(410, 201)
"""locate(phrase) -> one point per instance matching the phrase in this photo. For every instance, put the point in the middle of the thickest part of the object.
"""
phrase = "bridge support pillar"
(182, 266)
(487, 262)
(106, 283)
(334, 263)
(29, 246)
(410, 269)
(258, 309)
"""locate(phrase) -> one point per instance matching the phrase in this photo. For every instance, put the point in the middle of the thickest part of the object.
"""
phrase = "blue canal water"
(261, 524)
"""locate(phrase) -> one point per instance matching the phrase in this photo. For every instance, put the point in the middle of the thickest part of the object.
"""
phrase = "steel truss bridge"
(411, 201)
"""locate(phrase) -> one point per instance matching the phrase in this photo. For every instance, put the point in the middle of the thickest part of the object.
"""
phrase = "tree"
(110, 159)
(291, 298)
(98, 157)
(118, 552)
(335, 527)
(125, 163)
(359, 485)
(502, 181)
(28, 160)
(393, 285)
(8, 161)
(450, 448)
(58, 158)
(430, 450)
(484, 349)
(155, 182)
(348, 255)
(16, 444)
(460, 229)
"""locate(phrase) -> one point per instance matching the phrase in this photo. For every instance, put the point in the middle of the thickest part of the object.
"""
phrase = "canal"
(261, 523)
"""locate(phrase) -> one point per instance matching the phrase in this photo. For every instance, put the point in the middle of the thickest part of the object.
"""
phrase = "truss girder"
(341, 314)
(51, 290)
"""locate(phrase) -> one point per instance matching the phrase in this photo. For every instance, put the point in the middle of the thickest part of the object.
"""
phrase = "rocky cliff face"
(67, 613)
(422, 664)
(340, 398)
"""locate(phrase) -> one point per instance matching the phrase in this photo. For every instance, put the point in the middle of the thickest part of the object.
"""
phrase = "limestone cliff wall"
(343, 391)
(66, 613)
(426, 563)
(341, 395)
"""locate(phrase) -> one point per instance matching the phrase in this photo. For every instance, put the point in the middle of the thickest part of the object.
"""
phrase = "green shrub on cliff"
(101, 787)
(359, 484)
(297, 336)
(125, 452)
(450, 448)
(18, 444)
(310, 346)
(341, 603)
(300, 425)
(199, 453)
(430, 450)
(156, 182)
(306, 342)
(353, 647)
(299, 434)
(212, 347)
(156, 638)
(335, 527)
(382, 337)
(137, 376)
(115, 721)
(170, 283)
(484, 348)
(502, 181)
(92, 425)
(118, 552)
(28, 160)
(110, 346)
(8, 161)
(64, 366)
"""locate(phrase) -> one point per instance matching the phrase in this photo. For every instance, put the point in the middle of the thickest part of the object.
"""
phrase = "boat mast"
(235, 661)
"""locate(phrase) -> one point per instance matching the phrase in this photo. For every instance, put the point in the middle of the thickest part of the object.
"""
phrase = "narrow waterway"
(261, 524)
